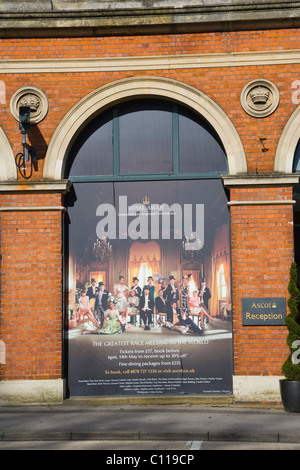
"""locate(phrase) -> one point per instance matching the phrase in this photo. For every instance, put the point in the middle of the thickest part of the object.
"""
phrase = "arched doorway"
(148, 202)
(150, 87)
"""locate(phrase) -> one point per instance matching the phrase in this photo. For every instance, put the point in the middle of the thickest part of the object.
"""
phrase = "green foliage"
(292, 371)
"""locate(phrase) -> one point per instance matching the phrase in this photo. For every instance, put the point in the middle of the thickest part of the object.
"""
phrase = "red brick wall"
(223, 85)
(31, 284)
(262, 252)
(262, 236)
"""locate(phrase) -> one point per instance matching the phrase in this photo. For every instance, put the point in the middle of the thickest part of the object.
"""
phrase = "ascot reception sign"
(264, 311)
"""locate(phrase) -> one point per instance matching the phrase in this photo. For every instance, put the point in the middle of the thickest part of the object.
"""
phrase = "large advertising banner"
(149, 294)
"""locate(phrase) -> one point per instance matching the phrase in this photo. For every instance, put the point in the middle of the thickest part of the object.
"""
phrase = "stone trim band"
(265, 203)
(32, 208)
(110, 64)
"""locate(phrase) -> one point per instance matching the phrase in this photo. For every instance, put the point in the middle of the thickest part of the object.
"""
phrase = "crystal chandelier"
(188, 253)
(102, 249)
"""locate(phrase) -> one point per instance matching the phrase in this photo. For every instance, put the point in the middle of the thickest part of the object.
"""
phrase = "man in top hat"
(146, 307)
(92, 294)
(138, 293)
(204, 293)
(161, 304)
(151, 286)
(136, 287)
(101, 301)
(92, 290)
(171, 295)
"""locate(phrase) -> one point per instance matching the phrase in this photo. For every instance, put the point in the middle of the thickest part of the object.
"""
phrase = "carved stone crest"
(32, 97)
(30, 100)
(259, 98)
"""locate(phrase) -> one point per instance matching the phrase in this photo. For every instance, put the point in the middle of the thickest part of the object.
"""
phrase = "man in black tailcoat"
(146, 307)
(136, 287)
(151, 286)
(171, 295)
(92, 290)
(101, 301)
(204, 293)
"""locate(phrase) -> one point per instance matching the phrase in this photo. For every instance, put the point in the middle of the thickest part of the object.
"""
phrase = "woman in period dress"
(121, 291)
(133, 305)
(198, 308)
(112, 324)
(185, 294)
(85, 309)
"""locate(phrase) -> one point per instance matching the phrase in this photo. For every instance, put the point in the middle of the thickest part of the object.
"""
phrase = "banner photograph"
(149, 294)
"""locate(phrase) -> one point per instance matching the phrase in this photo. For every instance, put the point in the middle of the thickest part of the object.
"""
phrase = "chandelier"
(102, 249)
(188, 253)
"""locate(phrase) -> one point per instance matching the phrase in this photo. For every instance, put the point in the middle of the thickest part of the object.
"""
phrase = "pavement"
(136, 422)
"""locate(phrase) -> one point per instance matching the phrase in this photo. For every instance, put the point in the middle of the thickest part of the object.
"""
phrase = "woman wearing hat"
(121, 291)
(185, 293)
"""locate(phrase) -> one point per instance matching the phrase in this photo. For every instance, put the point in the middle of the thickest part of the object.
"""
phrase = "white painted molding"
(287, 144)
(270, 179)
(59, 186)
(121, 90)
(8, 169)
(186, 61)
(262, 202)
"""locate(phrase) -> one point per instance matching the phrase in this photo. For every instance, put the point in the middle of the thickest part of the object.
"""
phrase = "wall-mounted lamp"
(264, 149)
(29, 106)
(28, 154)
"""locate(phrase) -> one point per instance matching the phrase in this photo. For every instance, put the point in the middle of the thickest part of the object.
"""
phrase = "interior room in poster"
(149, 294)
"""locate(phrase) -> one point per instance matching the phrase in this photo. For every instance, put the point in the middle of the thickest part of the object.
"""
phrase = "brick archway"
(124, 89)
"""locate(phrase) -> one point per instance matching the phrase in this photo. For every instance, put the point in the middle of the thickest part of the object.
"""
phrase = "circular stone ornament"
(32, 97)
(259, 98)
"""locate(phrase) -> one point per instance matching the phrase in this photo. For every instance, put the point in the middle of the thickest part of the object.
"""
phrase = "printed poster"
(149, 289)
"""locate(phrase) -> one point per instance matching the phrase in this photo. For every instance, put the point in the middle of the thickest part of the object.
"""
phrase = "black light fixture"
(264, 149)
(28, 154)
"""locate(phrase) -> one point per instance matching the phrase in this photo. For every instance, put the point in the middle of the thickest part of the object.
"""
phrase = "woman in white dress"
(198, 308)
(133, 305)
(121, 292)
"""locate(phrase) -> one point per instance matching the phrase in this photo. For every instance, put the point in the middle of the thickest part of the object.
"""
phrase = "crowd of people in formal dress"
(174, 306)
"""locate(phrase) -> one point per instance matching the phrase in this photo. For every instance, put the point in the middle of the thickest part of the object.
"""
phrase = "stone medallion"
(259, 98)
(32, 97)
